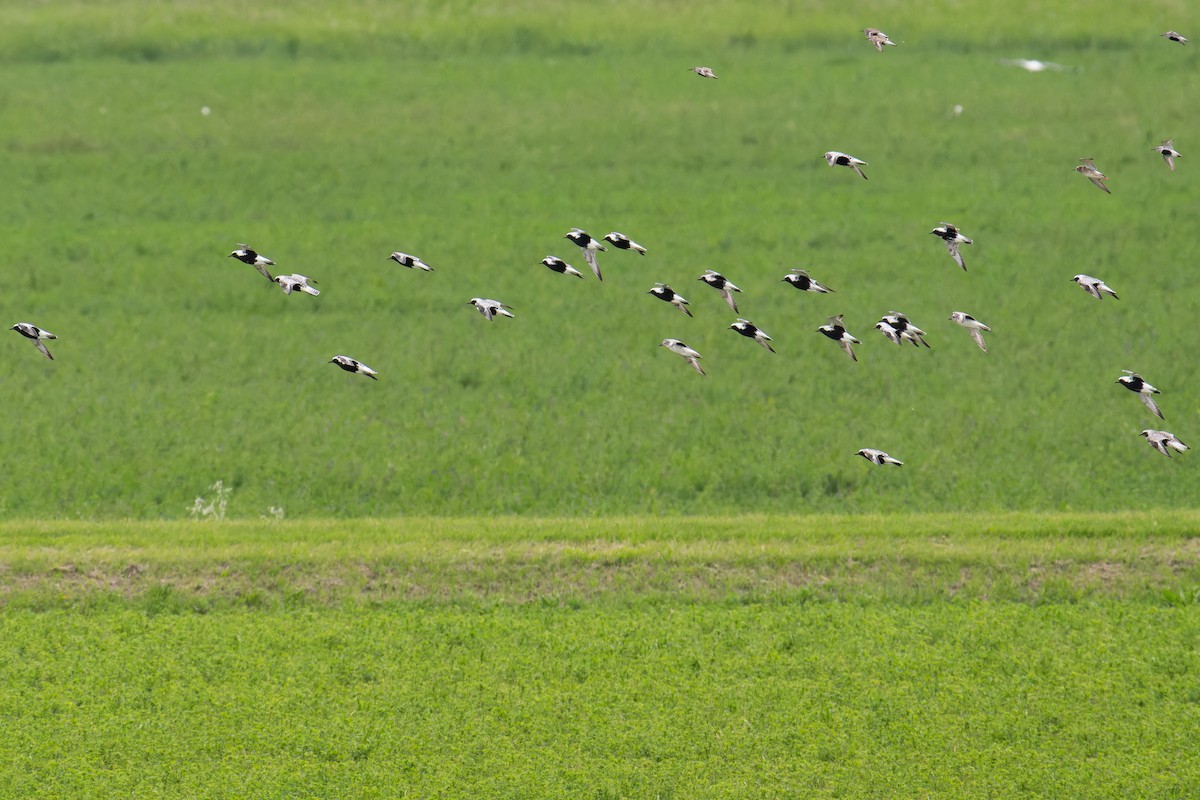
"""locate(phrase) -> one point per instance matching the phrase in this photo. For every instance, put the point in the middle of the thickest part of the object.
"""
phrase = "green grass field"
(475, 138)
(928, 656)
(540, 557)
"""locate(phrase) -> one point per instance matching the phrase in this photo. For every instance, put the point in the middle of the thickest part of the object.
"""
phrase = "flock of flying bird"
(897, 327)
(894, 325)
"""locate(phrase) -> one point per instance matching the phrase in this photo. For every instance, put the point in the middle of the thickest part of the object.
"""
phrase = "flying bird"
(490, 308)
(703, 72)
(888, 330)
(352, 365)
(837, 159)
(973, 326)
(1175, 37)
(800, 279)
(1087, 168)
(623, 242)
(953, 238)
(1163, 441)
(722, 285)
(1094, 286)
(748, 329)
(688, 354)
(412, 262)
(296, 282)
(904, 328)
(834, 329)
(589, 247)
(1135, 383)
(36, 334)
(1168, 152)
(666, 293)
(556, 264)
(256, 260)
(878, 457)
(878, 38)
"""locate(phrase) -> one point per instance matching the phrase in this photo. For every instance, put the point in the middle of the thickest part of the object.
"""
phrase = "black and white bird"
(254, 259)
(686, 353)
(589, 246)
(36, 335)
(296, 283)
(1175, 37)
(722, 285)
(623, 242)
(490, 308)
(353, 365)
(703, 72)
(834, 329)
(904, 328)
(878, 38)
(1094, 286)
(888, 330)
(1163, 441)
(973, 326)
(837, 159)
(1136, 383)
(953, 238)
(556, 264)
(1087, 168)
(801, 280)
(412, 262)
(1168, 152)
(669, 295)
(878, 457)
(748, 329)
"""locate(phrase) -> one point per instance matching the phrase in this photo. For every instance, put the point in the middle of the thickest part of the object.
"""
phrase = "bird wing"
(977, 335)
(845, 345)
(729, 301)
(590, 256)
(262, 268)
(40, 346)
(1150, 404)
(952, 247)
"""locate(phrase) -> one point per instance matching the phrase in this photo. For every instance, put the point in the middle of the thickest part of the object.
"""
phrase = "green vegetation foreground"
(959, 656)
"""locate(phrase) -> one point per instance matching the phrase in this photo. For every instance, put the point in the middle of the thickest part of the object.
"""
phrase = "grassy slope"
(945, 655)
(475, 137)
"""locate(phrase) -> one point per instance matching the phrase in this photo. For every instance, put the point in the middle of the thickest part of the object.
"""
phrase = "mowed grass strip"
(899, 558)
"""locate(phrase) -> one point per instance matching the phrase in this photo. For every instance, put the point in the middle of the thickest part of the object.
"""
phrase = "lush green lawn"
(923, 656)
(560, 563)
(475, 137)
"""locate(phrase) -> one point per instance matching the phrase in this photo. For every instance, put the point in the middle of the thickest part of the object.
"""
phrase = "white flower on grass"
(213, 508)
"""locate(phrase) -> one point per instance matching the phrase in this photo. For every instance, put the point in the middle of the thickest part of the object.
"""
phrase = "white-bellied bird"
(973, 326)
(412, 262)
(686, 353)
(490, 308)
(1163, 441)
(1094, 286)
(837, 159)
